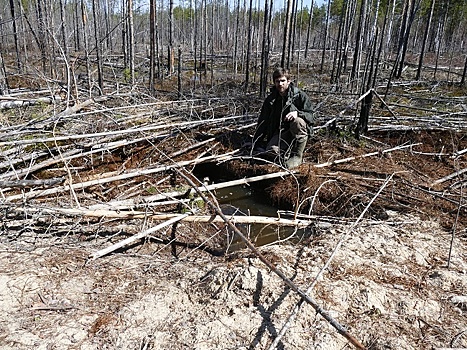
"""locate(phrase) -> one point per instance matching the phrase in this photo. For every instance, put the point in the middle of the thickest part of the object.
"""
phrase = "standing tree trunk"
(425, 39)
(291, 49)
(264, 52)
(285, 44)
(381, 45)
(355, 73)
(42, 35)
(171, 61)
(237, 31)
(439, 36)
(344, 54)
(326, 33)
(65, 49)
(179, 75)
(77, 30)
(266, 47)
(308, 30)
(84, 19)
(131, 42)
(3, 80)
(464, 72)
(100, 78)
(152, 45)
(108, 30)
(335, 74)
(362, 125)
(15, 36)
(405, 36)
(248, 49)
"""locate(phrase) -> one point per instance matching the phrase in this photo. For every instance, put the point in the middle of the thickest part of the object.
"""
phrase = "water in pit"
(243, 200)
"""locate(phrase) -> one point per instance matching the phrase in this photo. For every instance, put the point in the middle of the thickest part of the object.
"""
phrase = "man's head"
(281, 78)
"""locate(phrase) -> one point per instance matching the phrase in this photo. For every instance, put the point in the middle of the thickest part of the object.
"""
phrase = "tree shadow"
(267, 324)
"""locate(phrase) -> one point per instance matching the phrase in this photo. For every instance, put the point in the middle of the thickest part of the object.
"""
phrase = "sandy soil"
(389, 284)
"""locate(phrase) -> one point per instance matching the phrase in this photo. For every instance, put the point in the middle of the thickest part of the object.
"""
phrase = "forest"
(135, 216)
(357, 44)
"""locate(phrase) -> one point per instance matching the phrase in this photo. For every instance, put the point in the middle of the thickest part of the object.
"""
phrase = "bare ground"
(388, 284)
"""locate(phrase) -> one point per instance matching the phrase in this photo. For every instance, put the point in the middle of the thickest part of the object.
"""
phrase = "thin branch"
(340, 329)
(296, 309)
(137, 237)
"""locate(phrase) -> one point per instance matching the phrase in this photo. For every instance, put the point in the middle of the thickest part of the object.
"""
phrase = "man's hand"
(290, 117)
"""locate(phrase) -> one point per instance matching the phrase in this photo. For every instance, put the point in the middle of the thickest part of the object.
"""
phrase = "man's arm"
(305, 111)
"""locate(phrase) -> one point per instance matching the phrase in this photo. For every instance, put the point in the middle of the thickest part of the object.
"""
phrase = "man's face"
(282, 84)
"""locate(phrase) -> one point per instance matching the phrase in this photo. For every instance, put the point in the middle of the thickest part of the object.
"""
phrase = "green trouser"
(291, 142)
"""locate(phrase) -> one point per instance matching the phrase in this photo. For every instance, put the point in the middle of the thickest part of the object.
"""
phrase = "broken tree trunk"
(137, 237)
(32, 183)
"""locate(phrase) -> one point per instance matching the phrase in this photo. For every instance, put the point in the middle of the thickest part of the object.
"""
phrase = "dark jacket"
(275, 107)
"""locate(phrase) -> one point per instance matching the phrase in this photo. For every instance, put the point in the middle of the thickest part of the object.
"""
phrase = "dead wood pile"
(112, 168)
(108, 165)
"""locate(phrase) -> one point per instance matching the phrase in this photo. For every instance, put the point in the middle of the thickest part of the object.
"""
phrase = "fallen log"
(114, 214)
(32, 183)
(344, 160)
(449, 177)
(124, 176)
(118, 132)
(137, 237)
(29, 102)
(131, 203)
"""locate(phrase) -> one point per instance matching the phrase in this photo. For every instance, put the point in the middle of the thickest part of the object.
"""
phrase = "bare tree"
(410, 10)
(265, 47)
(152, 44)
(15, 36)
(308, 31)
(355, 73)
(326, 34)
(248, 50)
(3, 79)
(286, 38)
(425, 39)
(462, 82)
(100, 77)
(171, 53)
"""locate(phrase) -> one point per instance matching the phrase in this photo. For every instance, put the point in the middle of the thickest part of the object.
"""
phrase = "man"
(285, 121)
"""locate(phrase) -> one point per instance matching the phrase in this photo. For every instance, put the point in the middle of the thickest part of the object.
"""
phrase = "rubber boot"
(296, 156)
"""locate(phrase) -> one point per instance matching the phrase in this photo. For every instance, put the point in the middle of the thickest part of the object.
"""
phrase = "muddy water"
(244, 200)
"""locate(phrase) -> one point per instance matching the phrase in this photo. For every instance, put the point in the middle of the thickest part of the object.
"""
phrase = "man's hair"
(280, 72)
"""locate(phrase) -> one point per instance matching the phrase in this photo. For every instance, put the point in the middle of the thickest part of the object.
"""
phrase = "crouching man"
(285, 121)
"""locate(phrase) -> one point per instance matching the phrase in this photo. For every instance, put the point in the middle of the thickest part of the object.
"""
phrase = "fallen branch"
(273, 268)
(86, 184)
(113, 214)
(344, 160)
(134, 238)
(449, 177)
(32, 183)
(297, 307)
(131, 203)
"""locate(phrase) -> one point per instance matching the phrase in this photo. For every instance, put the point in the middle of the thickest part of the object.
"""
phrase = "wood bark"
(15, 36)
(286, 37)
(326, 34)
(248, 50)
(425, 39)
